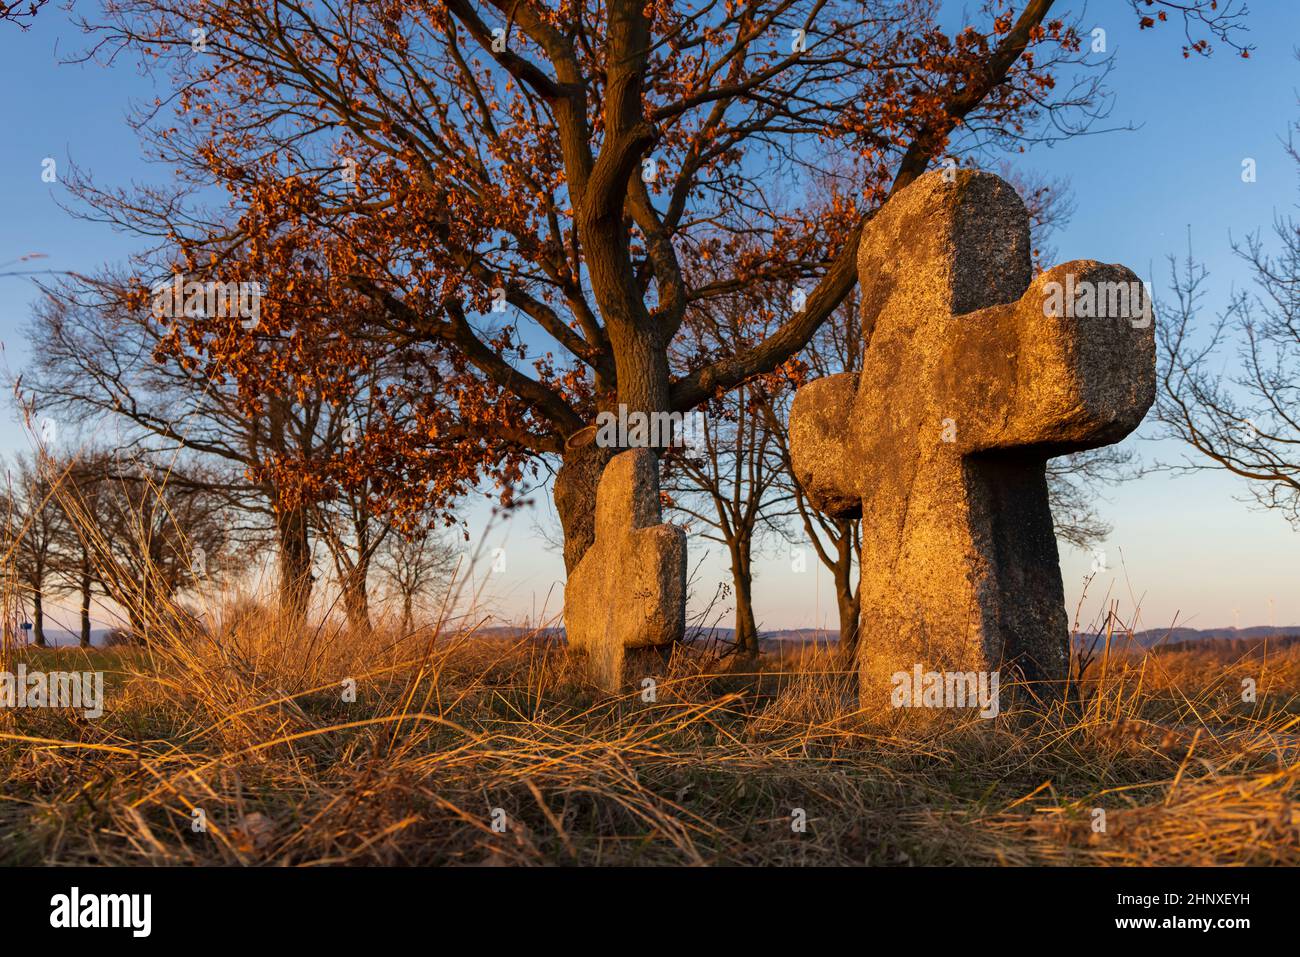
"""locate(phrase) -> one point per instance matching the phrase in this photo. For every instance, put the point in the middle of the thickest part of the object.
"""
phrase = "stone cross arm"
(1022, 375)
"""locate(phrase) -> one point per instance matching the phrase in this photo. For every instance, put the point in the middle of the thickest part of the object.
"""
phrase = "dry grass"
(250, 727)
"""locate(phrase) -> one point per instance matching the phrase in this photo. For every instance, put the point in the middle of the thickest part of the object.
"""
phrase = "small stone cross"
(629, 589)
(971, 380)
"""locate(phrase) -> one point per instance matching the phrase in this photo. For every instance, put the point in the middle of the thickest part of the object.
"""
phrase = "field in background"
(450, 735)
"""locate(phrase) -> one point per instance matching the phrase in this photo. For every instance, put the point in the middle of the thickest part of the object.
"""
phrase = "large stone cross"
(972, 378)
(629, 589)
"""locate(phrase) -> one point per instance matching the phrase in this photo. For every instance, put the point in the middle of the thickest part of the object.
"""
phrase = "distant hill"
(63, 638)
(1147, 639)
(1153, 637)
(1188, 637)
(1165, 639)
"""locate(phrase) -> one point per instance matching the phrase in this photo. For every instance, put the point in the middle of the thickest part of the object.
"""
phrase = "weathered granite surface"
(968, 386)
(629, 590)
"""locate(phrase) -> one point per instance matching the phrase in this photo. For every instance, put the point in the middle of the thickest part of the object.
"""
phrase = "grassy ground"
(449, 735)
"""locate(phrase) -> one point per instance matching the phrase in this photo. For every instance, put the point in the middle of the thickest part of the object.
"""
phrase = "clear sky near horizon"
(1185, 548)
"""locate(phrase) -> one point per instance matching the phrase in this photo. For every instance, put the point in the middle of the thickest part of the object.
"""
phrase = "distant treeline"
(1235, 647)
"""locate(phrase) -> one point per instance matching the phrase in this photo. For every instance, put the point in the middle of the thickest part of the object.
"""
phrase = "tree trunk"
(38, 619)
(575, 495)
(356, 602)
(849, 609)
(295, 563)
(642, 364)
(86, 585)
(743, 579)
(408, 611)
(846, 597)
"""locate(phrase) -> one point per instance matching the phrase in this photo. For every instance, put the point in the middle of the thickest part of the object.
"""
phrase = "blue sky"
(1182, 546)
